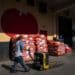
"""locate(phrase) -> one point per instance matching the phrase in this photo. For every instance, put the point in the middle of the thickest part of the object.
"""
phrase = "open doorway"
(65, 29)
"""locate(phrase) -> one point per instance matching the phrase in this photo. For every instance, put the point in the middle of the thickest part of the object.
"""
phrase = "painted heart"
(12, 22)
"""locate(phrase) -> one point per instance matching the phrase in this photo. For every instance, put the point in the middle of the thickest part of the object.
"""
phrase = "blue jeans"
(17, 60)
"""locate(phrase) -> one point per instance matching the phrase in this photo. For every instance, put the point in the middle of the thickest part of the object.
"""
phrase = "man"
(12, 48)
(19, 46)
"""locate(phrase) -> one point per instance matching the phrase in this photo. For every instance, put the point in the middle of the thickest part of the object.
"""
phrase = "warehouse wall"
(45, 22)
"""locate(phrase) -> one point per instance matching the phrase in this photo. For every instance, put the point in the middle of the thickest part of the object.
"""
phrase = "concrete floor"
(66, 66)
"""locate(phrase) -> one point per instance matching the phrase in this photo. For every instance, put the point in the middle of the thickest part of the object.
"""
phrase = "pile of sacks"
(39, 43)
(33, 43)
(58, 48)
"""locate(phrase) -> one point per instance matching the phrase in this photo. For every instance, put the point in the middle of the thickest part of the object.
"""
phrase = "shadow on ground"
(20, 69)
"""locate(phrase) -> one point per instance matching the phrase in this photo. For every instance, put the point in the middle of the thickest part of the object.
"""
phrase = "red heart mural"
(13, 22)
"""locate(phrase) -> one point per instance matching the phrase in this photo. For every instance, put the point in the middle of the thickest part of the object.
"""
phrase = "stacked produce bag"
(29, 50)
(41, 43)
(58, 48)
